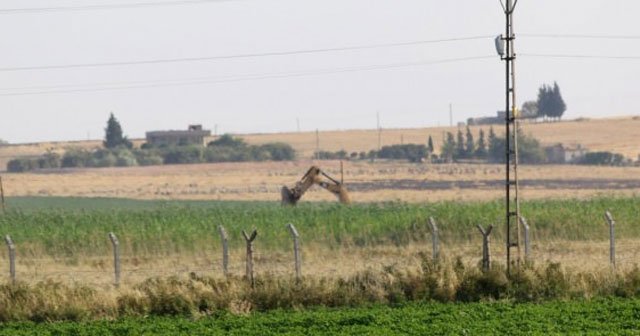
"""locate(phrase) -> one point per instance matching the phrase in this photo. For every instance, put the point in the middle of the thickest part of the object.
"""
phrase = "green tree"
(113, 134)
(460, 146)
(529, 110)
(430, 145)
(481, 150)
(227, 140)
(470, 146)
(550, 102)
(448, 147)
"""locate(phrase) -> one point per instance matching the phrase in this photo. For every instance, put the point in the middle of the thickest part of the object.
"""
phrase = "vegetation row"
(79, 227)
(197, 296)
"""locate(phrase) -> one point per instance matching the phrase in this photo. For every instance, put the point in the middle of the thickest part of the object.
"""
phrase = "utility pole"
(379, 131)
(298, 123)
(505, 48)
(450, 115)
(317, 144)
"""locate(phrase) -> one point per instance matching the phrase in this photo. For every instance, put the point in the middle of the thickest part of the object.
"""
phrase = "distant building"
(194, 135)
(498, 119)
(559, 153)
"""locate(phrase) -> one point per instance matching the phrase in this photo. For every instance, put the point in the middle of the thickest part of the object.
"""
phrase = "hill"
(617, 135)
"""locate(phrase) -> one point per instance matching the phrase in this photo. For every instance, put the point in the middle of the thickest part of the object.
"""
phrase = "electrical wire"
(240, 56)
(582, 36)
(577, 56)
(106, 6)
(205, 80)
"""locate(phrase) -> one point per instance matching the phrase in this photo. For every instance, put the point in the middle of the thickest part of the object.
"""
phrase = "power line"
(239, 56)
(107, 6)
(577, 56)
(583, 36)
(205, 80)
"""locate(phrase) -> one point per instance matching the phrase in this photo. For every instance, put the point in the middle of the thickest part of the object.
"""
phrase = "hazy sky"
(326, 90)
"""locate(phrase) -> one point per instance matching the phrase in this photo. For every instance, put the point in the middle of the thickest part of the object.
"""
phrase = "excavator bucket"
(288, 197)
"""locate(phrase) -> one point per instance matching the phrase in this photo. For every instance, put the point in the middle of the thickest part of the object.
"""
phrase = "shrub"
(279, 151)
(602, 159)
(183, 154)
(76, 158)
(148, 157)
(125, 158)
(21, 165)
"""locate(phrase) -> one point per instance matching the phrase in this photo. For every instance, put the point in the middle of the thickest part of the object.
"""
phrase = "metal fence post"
(296, 250)
(249, 239)
(12, 258)
(116, 257)
(527, 246)
(435, 239)
(612, 238)
(225, 250)
(486, 254)
(2, 195)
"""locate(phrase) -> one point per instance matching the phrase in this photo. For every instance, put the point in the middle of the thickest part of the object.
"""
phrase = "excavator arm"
(314, 176)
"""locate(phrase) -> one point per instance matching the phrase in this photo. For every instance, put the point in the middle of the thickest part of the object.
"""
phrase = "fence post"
(296, 250)
(116, 257)
(2, 195)
(435, 239)
(486, 254)
(12, 258)
(249, 240)
(225, 250)
(612, 239)
(527, 246)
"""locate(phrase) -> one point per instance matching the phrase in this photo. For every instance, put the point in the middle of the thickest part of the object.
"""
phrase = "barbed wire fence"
(128, 269)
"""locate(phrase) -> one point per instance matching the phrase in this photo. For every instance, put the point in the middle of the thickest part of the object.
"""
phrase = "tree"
(529, 110)
(460, 148)
(481, 150)
(550, 103)
(227, 140)
(448, 147)
(470, 146)
(113, 134)
(430, 145)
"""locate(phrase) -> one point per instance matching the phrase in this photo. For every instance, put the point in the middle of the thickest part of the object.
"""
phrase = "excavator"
(314, 176)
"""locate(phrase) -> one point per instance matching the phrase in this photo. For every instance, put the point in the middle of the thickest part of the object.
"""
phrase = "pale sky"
(322, 90)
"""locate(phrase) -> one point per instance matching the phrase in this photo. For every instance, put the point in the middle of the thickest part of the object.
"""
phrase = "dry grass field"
(367, 182)
(612, 134)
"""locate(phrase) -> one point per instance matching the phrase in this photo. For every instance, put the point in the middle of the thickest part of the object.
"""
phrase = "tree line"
(549, 104)
(118, 151)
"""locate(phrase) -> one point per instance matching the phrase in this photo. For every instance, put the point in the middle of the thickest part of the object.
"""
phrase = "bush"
(148, 157)
(279, 151)
(183, 154)
(411, 152)
(76, 158)
(125, 158)
(49, 160)
(21, 165)
(602, 159)
(102, 158)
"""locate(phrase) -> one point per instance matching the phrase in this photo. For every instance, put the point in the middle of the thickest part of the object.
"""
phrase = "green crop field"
(597, 317)
(77, 226)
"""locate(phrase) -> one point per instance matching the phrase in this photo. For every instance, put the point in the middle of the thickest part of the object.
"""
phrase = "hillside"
(612, 134)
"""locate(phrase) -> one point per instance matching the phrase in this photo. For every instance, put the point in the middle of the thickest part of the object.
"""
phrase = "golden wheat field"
(367, 182)
(379, 181)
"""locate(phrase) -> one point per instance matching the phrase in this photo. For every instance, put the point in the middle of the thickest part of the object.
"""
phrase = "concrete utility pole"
(379, 131)
(505, 48)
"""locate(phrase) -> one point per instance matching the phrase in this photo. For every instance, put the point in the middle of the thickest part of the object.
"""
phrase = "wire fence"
(322, 262)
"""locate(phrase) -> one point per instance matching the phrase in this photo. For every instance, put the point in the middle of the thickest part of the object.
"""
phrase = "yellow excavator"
(314, 176)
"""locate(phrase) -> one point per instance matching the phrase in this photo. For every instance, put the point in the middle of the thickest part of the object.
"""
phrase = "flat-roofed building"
(194, 135)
